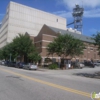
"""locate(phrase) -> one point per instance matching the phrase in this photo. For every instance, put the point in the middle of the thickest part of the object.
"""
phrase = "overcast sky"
(64, 8)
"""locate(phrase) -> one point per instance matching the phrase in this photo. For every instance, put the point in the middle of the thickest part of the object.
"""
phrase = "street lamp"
(10, 57)
(59, 61)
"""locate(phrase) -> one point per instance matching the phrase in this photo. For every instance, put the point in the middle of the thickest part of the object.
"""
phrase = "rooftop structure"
(78, 14)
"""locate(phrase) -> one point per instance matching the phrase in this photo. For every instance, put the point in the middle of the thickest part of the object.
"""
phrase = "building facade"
(47, 35)
(20, 19)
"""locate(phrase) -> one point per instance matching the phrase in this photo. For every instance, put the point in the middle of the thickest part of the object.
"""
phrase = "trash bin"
(68, 66)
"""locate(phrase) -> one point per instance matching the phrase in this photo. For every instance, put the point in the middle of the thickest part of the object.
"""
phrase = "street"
(19, 84)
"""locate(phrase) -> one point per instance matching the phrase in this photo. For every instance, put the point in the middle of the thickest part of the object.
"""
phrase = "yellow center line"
(49, 84)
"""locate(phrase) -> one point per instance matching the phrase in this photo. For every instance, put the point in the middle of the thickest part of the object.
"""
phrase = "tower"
(78, 14)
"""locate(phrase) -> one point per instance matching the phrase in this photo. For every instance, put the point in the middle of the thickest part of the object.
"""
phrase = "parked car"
(20, 64)
(81, 65)
(89, 64)
(97, 63)
(2, 62)
(76, 64)
(11, 64)
(6, 62)
(30, 66)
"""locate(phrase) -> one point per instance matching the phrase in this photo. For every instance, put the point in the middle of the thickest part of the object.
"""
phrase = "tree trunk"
(52, 58)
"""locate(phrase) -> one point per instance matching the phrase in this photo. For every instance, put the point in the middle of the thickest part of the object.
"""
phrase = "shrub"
(53, 66)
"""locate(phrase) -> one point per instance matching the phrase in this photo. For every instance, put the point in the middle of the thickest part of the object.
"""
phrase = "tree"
(96, 38)
(76, 47)
(51, 48)
(6, 51)
(66, 45)
(1, 54)
(23, 45)
(34, 57)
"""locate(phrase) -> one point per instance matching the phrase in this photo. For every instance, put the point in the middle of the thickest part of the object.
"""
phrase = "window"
(57, 20)
(35, 44)
(91, 48)
(40, 43)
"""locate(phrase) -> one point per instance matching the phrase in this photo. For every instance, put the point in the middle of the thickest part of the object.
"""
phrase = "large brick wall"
(46, 36)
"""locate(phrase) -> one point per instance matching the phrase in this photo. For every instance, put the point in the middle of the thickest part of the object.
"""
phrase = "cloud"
(87, 14)
(64, 14)
(91, 8)
(92, 13)
(86, 3)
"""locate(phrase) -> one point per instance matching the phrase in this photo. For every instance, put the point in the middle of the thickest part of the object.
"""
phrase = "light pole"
(10, 57)
(59, 61)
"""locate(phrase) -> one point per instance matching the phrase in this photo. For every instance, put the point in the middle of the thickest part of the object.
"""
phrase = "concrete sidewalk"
(71, 71)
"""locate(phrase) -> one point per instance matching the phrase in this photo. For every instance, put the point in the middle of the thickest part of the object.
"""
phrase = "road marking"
(49, 84)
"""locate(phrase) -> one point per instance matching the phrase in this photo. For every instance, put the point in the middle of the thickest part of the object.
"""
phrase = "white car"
(30, 66)
(81, 65)
(3, 62)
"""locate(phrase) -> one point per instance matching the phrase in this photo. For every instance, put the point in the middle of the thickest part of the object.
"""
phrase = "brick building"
(47, 35)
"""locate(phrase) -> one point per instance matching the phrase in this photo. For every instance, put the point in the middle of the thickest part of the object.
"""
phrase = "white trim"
(50, 57)
(41, 47)
(42, 41)
(44, 47)
(46, 41)
(49, 35)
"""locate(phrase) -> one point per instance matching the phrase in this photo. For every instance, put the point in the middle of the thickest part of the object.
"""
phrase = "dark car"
(89, 64)
(11, 64)
(97, 63)
(6, 63)
(20, 64)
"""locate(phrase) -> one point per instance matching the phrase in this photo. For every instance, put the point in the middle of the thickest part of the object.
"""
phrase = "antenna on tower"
(78, 15)
(82, 19)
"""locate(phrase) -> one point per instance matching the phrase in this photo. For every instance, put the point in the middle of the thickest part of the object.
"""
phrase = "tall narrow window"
(57, 20)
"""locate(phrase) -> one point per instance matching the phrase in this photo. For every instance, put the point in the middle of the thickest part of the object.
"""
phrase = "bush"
(53, 66)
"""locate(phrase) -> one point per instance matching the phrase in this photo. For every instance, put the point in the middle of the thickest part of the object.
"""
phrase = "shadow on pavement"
(88, 75)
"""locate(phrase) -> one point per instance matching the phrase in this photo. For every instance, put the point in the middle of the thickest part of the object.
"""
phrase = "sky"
(64, 8)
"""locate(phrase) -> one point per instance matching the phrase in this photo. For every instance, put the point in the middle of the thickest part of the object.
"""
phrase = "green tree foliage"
(1, 54)
(76, 47)
(21, 46)
(53, 66)
(34, 57)
(96, 37)
(6, 51)
(66, 45)
(51, 48)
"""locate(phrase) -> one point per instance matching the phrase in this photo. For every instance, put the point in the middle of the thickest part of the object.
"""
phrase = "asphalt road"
(19, 84)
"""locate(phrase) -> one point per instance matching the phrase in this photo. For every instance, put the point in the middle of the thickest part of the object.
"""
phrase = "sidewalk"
(71, 71)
